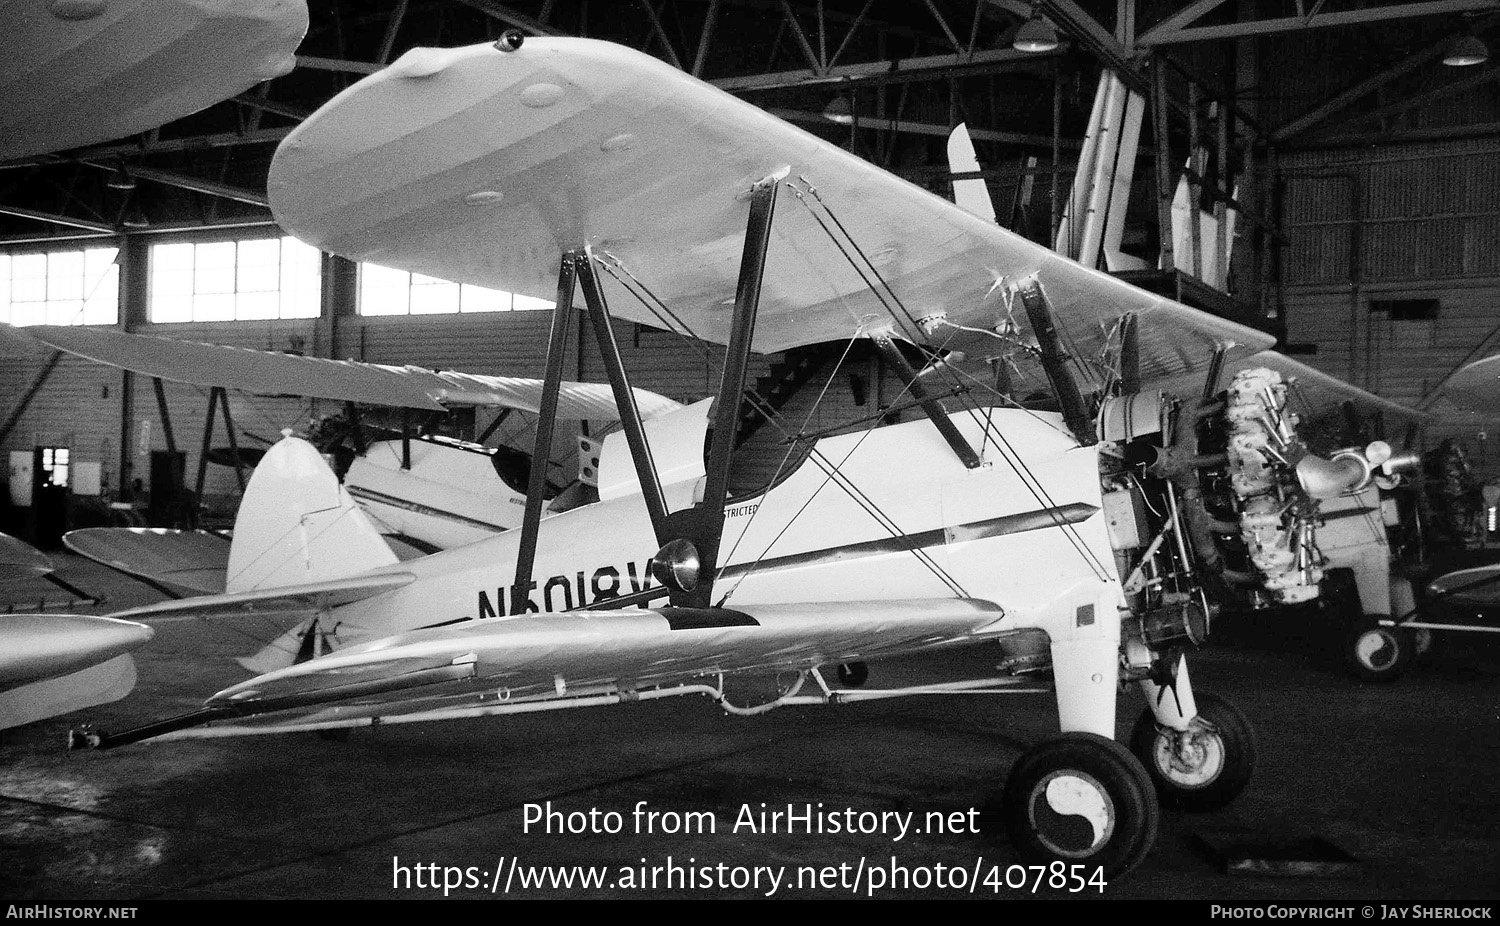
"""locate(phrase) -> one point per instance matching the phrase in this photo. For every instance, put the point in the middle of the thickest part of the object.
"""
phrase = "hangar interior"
(1326, 171)
(1363, 166)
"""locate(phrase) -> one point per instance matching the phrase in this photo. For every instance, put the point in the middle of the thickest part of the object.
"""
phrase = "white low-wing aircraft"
(53, 664)
(1085, 543)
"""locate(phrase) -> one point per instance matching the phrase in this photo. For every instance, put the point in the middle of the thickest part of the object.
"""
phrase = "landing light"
(677, 565)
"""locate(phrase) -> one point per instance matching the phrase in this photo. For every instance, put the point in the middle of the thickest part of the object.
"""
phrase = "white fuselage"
(1024, 531)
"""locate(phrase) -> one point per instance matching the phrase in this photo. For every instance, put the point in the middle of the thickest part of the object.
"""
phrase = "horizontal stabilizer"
(18, 554)
(314, 596)
(193, 561)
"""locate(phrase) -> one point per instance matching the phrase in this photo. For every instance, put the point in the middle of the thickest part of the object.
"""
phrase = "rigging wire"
(1028, 478)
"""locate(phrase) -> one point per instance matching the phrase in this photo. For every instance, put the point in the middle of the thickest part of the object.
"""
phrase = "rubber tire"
(853, 674)
(1136, 818)
(1384, 664)
(1236, 738)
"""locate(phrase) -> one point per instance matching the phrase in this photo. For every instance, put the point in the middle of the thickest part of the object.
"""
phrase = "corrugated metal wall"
(1402, 222)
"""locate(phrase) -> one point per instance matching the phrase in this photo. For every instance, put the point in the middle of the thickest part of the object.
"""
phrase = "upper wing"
(274, 373)
(1475, 387)
(76, 74)
(1313, 391)
(580, 651)
(483, 166)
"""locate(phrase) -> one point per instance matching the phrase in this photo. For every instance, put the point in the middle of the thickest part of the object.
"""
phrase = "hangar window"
(255, 278)
(385, 291)
(60, 287)
(1407, 310)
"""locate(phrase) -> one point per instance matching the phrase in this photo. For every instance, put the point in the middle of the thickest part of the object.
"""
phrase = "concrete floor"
(1401, 777)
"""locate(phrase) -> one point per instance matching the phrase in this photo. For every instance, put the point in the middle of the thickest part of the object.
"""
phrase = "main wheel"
(1204, 768)
(1080, 799)
(1378, 654)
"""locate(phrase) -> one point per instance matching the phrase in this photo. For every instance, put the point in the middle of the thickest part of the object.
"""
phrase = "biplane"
(1465, 596)
(1087, 544)
(424, 491)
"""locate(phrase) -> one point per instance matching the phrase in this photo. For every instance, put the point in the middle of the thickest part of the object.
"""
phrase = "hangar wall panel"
(1398, 223)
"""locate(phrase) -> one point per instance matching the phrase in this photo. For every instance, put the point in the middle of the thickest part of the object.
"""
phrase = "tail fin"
(297, 525)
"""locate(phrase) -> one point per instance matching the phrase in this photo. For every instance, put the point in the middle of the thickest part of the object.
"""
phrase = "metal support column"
(935, 412)
(31, 391)
(619, 381)
(1195, 189)
(1224, 182)
(541, 451)
(166, 415)
(234, 444)
(208, 434)
(1164, 189)
(1055, 362)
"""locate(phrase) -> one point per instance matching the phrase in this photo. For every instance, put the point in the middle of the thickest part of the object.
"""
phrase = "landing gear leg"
(1082, 798)
(1199, 761)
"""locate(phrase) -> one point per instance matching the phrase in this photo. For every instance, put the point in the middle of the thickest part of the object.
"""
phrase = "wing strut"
(536, 486)
(1130, 355)
(913, 383)
(1054, 361)
(703, 524)
(630, 413)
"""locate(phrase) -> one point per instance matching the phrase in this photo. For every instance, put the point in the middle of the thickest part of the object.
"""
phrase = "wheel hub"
(1191, 759)
(1072, 813)
(1376, 650)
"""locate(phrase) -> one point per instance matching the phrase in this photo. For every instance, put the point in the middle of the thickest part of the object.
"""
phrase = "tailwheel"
(1081, 798)
(1421, 640)
(1378, 654)
(853, 674)
(1203, 768)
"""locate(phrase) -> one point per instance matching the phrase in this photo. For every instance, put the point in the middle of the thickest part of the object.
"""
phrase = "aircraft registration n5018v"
(1088, 545)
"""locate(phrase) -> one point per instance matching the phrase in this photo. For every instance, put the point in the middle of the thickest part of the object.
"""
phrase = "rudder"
(297, 525)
